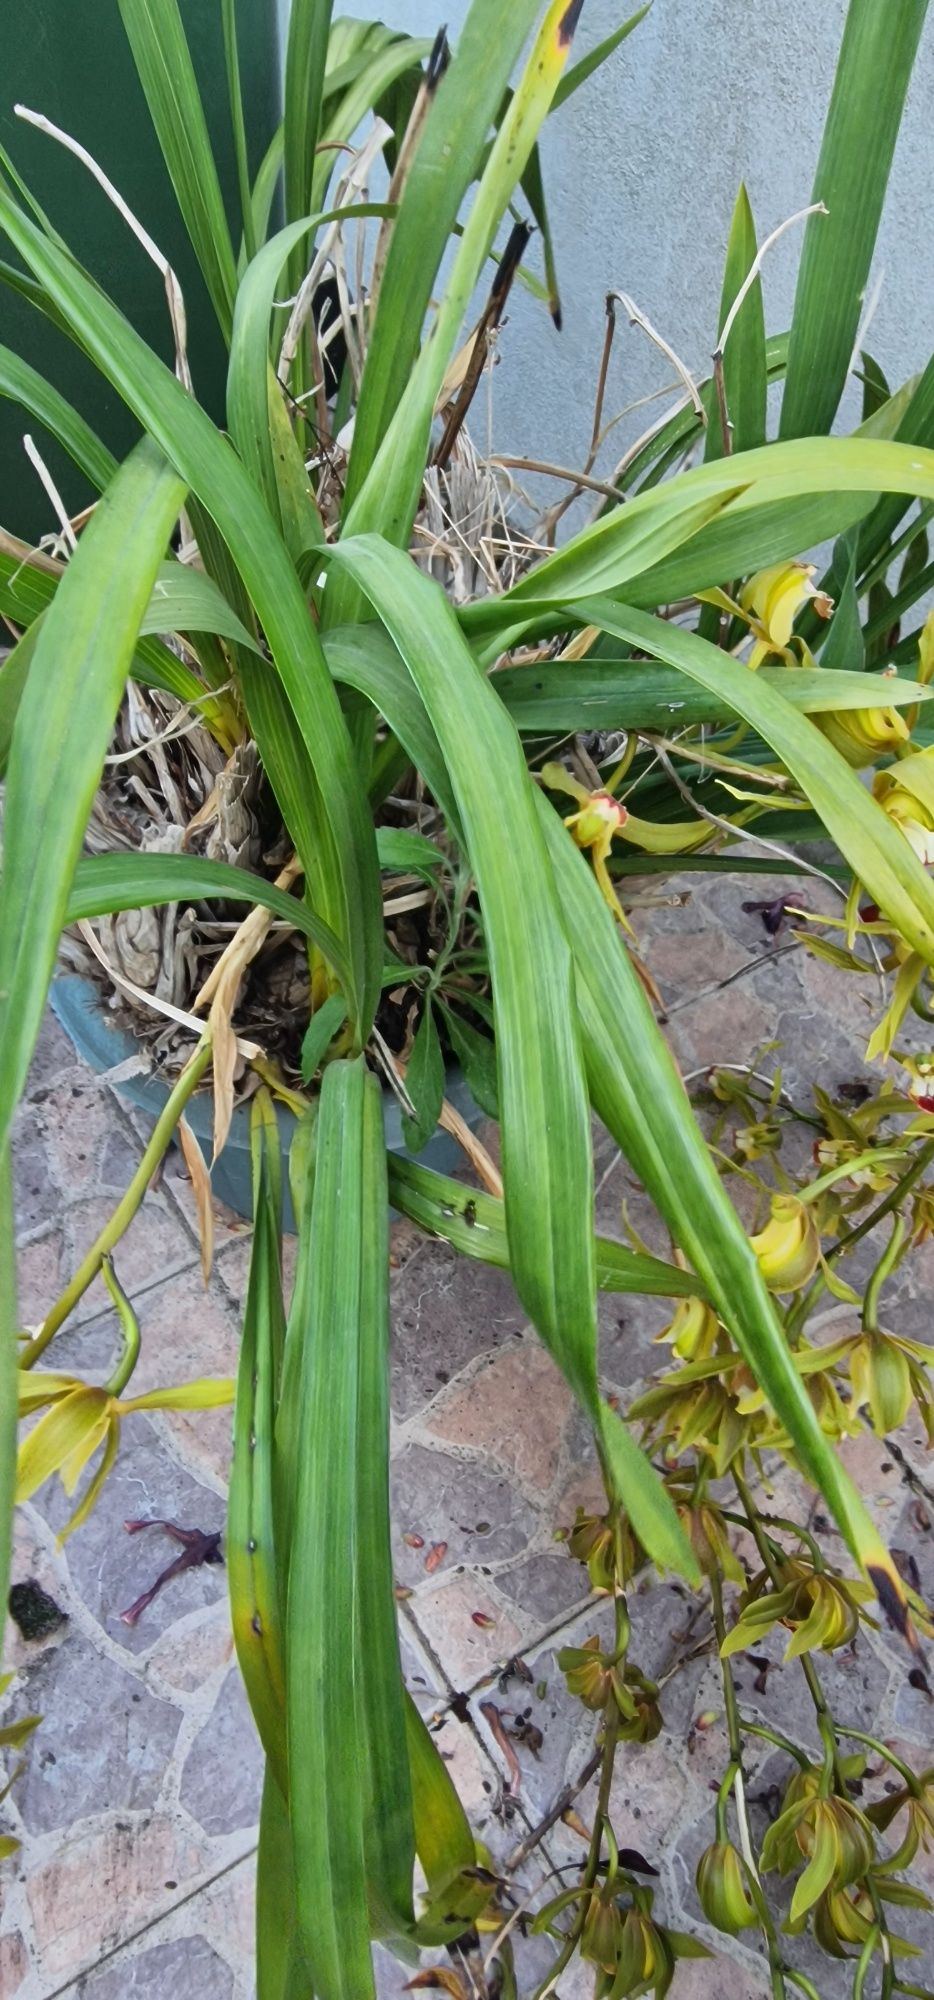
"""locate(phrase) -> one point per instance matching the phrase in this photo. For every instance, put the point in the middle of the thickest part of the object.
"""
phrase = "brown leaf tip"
(568, 23)
(438, 60)
(893, 1603)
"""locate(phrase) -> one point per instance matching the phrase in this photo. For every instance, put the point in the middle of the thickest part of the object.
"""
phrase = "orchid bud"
(723, 1889)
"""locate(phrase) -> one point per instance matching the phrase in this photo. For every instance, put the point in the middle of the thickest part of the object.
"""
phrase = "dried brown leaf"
(200, 1179)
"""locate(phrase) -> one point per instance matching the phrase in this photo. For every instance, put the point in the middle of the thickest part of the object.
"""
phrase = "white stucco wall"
(642, 169)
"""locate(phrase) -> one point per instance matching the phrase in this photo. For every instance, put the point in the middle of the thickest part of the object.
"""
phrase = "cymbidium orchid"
(79, 1418)
(601, 818)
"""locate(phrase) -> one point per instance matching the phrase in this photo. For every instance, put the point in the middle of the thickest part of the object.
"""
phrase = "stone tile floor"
(137, 1809)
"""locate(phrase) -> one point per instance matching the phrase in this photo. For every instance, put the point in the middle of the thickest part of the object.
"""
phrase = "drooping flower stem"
(123, 1214)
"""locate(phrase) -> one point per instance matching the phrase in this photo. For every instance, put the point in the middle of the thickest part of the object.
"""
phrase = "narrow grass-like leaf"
(546, 1134)
(873, 73)
(105, 882)
(305, 59)
(238, 127)
(443, 1839)
(379, 71)
(280, 1974)
(388, 500)
(325, 812)
(450, 148)
(547, 1162)
(634, 694)
(844, 649)
(24, 385)
(13, 675)
(61, 735)
(184, 599)
(777, 479)
(875, 848)
(475, 1224)
(595, 58)
(381, 1725)
(250, 382)
(323, 1644)
(265, 184)
(636, 1090)
(745, 377)
(353, 1841)
(163, 60)
(424, 1082)
(250, 1542)
(26, 591)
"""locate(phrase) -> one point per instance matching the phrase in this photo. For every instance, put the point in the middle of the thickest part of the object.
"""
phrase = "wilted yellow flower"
(835, 1837)
(706, 1531)
(918, 1807)
(788, 1248)
(593, 1542)
(819, 1609)
(694, 1407)
(887, 1372)
(602, 1932)
(587, 1672)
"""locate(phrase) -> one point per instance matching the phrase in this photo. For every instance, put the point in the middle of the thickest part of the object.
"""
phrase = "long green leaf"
(280, 1973)
(450, 148)
(24, 385)
(163, 60)
(388, 499)
(25, 592)
(786, 497)
(443, 1839)
(475, 1223)
(345, 112)
(871, 83)
(595, 58)
(238, 127)
(876, 850)
(745, 375)
(328, 819)
(61, 735)
(634, 694)
(14, 671)
(184, 599)
(545, 1123)
(305, 59)
(250, 382)
(342, 1821)
(546, 1132)
(638, 1093)
(250, 1542)
(106, 882)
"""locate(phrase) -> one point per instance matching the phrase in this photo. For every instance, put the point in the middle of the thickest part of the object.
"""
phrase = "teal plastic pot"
(77, 1004)
(70, 59)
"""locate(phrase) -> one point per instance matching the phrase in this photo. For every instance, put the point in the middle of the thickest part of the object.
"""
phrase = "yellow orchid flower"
(906, 794)
(863, 735)
(601, 818)
(788, 1248)
(772, 600)
(79, 1417)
